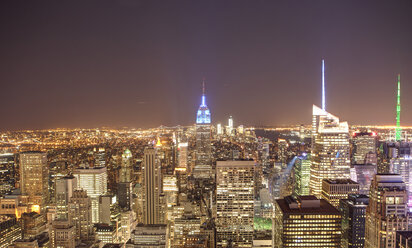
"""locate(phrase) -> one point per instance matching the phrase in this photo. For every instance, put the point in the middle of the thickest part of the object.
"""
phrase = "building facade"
(387, 211)
(306, 221)
(234, 203)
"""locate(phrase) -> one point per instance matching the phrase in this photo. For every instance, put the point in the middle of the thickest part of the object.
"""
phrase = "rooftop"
(289, 205)
(340, 181)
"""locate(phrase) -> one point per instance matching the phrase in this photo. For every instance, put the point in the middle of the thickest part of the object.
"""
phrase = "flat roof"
(340, 181)
(325, 208)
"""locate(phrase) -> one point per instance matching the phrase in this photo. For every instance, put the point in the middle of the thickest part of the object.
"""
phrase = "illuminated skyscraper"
(330, 149)
(34, 179)
(219, 129)
(398, 111)
(334, 190)
(203, 165)
(80, 208)
(64, 190)
(230, 126)
(363, 144)
(234, 203)
(124, 189)
(387, 211)
(151, 187)
(94, 182)
(353, 212)
(301, 173)
(306, 221)
(126, 169)
(403, 167)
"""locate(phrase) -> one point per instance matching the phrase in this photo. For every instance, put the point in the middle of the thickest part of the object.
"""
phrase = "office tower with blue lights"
(203, 164)
(387, 211)
(301, 175)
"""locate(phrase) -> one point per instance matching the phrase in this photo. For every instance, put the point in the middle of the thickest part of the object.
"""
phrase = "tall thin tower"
(398, 111)
(203, 164)
(323, 85)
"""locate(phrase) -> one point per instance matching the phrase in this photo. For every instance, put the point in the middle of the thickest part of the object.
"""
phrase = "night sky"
(141, 63)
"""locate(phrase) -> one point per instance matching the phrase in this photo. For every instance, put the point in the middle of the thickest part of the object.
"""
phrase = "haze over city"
(141, 63)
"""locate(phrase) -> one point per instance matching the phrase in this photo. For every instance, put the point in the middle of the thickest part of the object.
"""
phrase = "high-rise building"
(301, 173)
(219, 129)
(306, 221)
(203, 164)
(9, 173)
(99, 157)
(126, 169)
(94, 182)
(182, 156)
(363, 175)
(124, 188)
(363, 143)
(10, 230)
(403, 167)
(353, 212)
(403, 239)
(334, 190)
(330, 149)
(64, 191)
(33, 224)
(105, 233)
(80, 208)
(34, 179)
(62, 234)
(387, 211)
(234, 203)
(183, 227)
(153, 236)
(230, 126)
(151, 187)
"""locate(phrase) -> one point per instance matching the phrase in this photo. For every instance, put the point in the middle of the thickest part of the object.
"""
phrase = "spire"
(203, 93)
(203, 113)
(203, 86)
(323, 85)
(398, 111)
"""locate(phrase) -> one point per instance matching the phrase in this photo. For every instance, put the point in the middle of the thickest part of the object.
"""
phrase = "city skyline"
(141, 64)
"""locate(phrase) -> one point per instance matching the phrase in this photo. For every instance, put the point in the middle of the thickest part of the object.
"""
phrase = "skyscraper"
(234, 203)
(151, 187)
(363, 143)
(353, 212)
(64, 191)
(34, 178)
(124, 189)
(301, 173)
(80, 207)
(306, 221)
(330, 149)
(94, 182)
(334, 190)
(403, 167)
(387, 211)
(230, 126)
(203, 165)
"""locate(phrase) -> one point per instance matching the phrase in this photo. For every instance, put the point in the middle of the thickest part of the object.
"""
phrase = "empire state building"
(203, 165)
